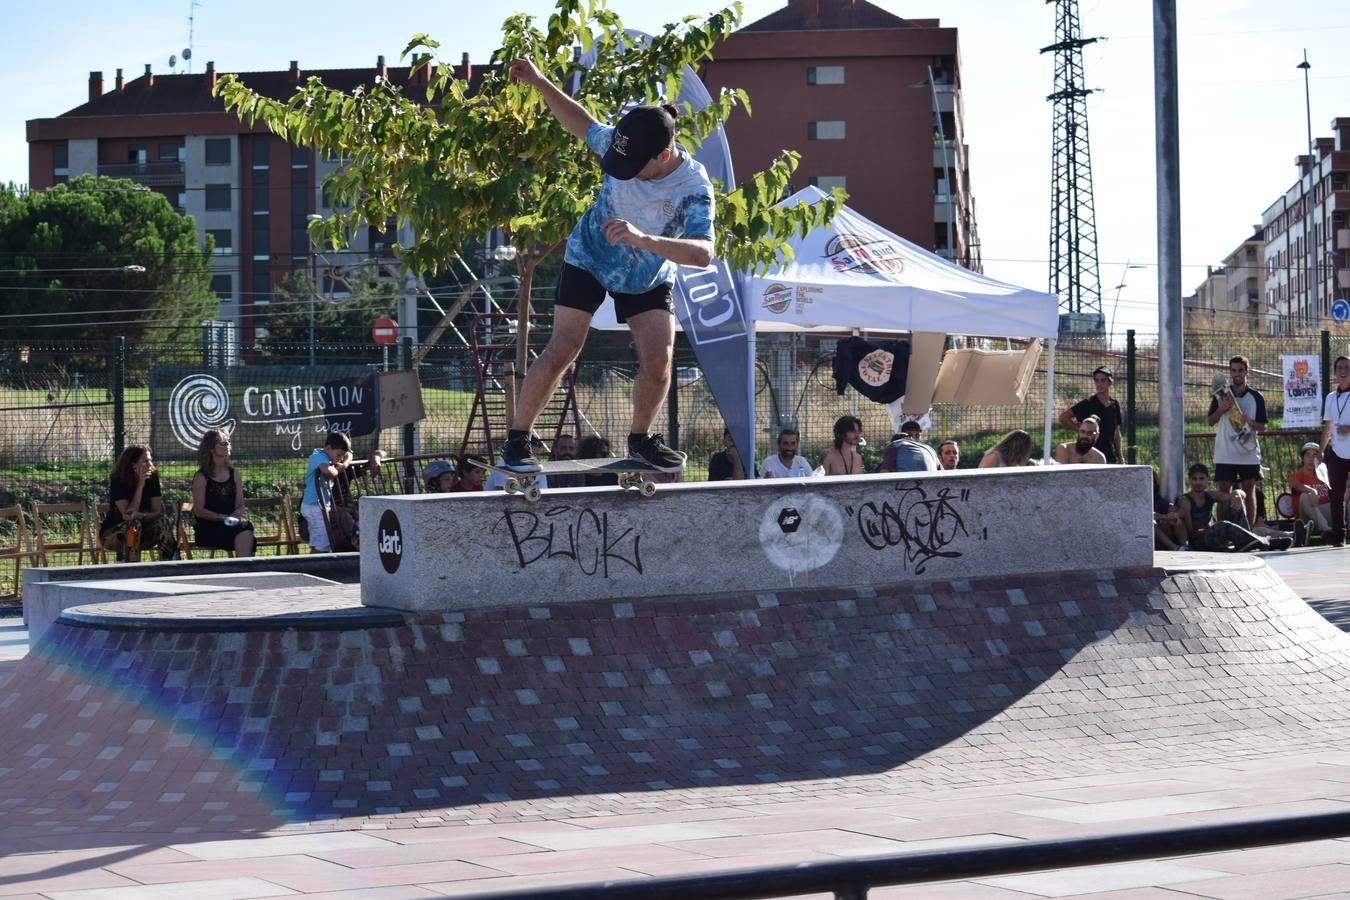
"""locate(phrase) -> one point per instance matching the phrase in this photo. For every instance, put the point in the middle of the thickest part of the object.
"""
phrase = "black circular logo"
(789, 520)
(390, 540)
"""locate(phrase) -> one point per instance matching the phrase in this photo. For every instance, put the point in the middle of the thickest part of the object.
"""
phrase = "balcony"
(163, 173)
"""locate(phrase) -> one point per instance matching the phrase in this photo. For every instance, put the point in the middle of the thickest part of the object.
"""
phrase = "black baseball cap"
(641, 134)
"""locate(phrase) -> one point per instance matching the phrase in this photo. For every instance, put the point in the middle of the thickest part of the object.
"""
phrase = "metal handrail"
(852, 879)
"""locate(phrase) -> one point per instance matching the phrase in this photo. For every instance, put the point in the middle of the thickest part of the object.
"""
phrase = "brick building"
(854, 88)
(250, 190)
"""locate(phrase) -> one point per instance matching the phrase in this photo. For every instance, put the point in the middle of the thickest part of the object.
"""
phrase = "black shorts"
(578, 289)
(1236, 474)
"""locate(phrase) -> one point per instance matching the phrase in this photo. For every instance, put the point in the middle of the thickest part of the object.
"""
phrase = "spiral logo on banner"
(197, 404)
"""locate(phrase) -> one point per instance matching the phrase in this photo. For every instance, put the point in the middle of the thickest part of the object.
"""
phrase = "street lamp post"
(1124, 275)
(313, 283)
(1309, 200)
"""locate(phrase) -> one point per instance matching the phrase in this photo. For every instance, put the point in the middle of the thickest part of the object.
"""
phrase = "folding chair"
(48, 522)
(283, 537)
(22, 546)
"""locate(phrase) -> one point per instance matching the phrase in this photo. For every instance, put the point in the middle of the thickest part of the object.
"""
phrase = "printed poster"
(1302, 376)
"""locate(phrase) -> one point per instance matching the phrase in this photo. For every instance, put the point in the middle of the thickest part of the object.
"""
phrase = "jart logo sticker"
(869, 256)
(390, 541)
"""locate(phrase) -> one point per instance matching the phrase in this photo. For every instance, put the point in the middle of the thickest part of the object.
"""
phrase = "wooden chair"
(283, 537)
(23, 544)
(45, 516)
(183, 518)
(100, 513)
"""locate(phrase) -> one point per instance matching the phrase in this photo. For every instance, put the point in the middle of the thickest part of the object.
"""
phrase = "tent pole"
(1049, 401)
(751, 350)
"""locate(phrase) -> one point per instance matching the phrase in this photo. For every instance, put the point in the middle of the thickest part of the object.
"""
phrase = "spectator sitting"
(439, 477)
(1084, 450)
(1013, 449)
(1211, 525)
(725, 464)
(468, 476)
(593, 446)
(565, 450)
(787, 463)
(218, 499)
(1312, 494)
(843, 458)
(906, 453)
(1233, 522)
(135, 518)
(1169, 533)
(949, 455)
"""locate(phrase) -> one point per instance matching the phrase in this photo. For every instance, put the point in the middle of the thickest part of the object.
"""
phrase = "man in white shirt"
(786, 463)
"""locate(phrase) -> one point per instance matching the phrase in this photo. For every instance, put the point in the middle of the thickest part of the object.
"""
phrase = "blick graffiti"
(924, 526)
(583, 536)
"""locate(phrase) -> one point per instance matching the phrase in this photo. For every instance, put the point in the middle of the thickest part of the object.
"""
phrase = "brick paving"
(476, 751)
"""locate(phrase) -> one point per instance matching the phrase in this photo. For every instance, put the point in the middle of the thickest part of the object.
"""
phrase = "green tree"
(68, 256)
(337, 323)
(465, 164)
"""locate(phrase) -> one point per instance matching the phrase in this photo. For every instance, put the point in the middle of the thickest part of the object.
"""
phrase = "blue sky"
(1242, 102)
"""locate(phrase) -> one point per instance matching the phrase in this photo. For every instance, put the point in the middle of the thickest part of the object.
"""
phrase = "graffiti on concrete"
(924, 522)
(579, 536)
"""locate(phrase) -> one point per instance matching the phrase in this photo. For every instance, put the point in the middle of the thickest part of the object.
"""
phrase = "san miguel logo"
(851, 253)
(777, 298)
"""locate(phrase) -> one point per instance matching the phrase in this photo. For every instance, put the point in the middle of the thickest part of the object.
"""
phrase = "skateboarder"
(654, 212)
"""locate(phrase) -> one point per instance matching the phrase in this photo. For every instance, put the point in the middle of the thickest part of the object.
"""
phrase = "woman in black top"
(134, 504)
(218, 498)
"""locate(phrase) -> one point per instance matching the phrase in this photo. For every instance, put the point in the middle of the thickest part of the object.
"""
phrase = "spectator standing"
(907, 453)
(327, 462)
(1107, 410)
(135, 518)
(1335, 446)
(1013, 449)
(725, 464)
(1237, 452)
(218, 499)
(949, 455)
(787, 462)
(1083, 450)
(843, 458)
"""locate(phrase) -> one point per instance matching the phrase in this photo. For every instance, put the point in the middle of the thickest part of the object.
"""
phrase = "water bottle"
(133, 536)
(230, 521)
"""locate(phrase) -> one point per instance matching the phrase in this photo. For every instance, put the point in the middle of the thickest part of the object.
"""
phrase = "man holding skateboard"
(654, 212)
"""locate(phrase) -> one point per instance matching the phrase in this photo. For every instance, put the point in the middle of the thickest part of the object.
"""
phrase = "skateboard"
(633, 474)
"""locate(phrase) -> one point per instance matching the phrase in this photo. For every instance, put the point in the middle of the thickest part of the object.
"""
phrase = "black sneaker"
(652, 449)
(1283, 542)
(1300, 533)
(518, 457)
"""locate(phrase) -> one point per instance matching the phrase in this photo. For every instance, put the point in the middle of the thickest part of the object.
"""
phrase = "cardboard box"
(986, 377)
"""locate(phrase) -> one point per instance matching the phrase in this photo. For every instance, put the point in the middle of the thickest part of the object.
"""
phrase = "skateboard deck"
(633, 474)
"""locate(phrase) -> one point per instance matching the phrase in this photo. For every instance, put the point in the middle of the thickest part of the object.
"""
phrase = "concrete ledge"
(464, 551)
(44, 602)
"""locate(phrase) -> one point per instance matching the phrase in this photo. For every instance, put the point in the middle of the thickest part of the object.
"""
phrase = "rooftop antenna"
(192, 16)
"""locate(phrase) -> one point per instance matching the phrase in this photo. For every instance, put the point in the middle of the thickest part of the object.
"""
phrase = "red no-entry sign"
(384, 331)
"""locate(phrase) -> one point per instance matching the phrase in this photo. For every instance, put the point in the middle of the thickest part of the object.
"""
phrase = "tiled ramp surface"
(573, 711)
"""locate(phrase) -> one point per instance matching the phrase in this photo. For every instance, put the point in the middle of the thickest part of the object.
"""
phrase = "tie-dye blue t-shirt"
(679, 206)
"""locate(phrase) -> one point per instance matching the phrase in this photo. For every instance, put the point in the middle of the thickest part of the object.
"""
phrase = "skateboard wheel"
(512, 485)
(532, 493)
(648, 488)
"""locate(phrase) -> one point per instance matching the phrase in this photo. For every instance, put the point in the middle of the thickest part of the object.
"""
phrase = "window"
(224, 238)
(824, 131)
(260, 152)
(223, 286)
(262, 286)
(825, 75)
(217, 151)
(829, 182)
(299, 157)
(170, 152)
(218, 197)
(60, 163)
(262, 234)
(136, 154)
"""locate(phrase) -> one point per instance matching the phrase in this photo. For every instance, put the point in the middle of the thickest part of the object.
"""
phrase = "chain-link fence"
(66, 408)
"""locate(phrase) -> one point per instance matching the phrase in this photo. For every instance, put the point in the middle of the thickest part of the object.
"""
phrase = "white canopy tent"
(854, 274)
